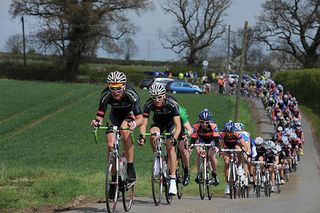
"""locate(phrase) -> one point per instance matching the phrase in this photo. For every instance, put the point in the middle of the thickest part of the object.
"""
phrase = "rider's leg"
(152, 138)
(185, 155)
(172, 159)
(129, 152)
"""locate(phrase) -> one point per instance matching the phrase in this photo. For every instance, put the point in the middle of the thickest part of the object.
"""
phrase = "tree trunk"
(191, 58)
(71, 70)
(310, 61)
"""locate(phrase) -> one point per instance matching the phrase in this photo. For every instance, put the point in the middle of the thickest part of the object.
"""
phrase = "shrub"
(304, 84)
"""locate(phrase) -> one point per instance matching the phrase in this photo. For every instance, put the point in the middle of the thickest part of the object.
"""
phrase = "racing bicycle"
(116, 176)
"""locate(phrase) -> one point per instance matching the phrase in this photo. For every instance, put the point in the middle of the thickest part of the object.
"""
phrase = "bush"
(33, 71)
(304, 84)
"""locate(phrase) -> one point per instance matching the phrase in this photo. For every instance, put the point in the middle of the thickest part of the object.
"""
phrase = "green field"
(47, 152)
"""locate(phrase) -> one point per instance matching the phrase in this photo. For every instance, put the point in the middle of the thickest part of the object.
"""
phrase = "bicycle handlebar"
(231, 150)
(201, 145)
(115, 128)
(157, 134)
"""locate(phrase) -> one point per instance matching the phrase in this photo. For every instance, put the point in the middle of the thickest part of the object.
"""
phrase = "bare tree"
(253, 52)
(199, 24)
(292, 26)
(14, 44)
(75, 28)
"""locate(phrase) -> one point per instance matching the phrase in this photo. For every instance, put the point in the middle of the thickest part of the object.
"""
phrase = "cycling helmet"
(298, 125)
(259, 140)
(280, 128)
(278, 148)
(157, 89)
(285, 140)
(270, 145)
(229, 126)
(239, 126)
(116, 77)
(205, 115)
(293, 135)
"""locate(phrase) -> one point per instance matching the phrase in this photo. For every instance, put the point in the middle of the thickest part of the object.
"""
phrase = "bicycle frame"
(163, 176)
(258, 177)
(205, 169)
(115, 176)
(232, 173)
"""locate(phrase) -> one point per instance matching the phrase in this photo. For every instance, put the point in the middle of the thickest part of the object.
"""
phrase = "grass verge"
(47, 153)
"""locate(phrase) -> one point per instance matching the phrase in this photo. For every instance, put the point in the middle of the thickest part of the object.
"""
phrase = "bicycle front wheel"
(179, 180)
(156, 180)
(202, 178)
(112, 184)
(127, 194)
(209, 185)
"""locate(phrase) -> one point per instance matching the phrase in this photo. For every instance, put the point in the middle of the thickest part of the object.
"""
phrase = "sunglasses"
(116, 88)
(159, 97)
(204, 122)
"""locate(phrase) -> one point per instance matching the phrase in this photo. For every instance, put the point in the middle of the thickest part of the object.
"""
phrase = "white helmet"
(238, 126)
(278, 148)
(116, 77)
(270, 145)
(157, 89)
(259, 140)
(280, 128)
(285, 140)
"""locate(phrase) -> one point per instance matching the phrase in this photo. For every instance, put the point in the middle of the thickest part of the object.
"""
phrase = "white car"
(162, 81)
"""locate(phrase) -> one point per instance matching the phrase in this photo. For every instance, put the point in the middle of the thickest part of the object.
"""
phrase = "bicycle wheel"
(202, 181)
(156, 181)
(209, 185)
(231, 180)
(278, 183)
(127, 194)
(112, 184)
(258, 184)
(286, 175)
(167, 187)
(231, 190)
(258, 189)
(179, 178)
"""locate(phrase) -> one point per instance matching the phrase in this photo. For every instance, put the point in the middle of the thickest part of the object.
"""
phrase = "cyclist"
(166, 118)
(239, 127)
(125, 112)
(271, 156)
(231, 140)
(186, 131)
(300, 134)
(260, 152)
(206, 131)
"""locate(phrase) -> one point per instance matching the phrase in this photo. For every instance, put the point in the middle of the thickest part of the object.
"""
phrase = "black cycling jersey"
(129, 104)
(270, 156)
(163, 116)
(260, 152)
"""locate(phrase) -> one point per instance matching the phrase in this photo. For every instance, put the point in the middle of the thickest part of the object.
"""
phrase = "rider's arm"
(143, 127)
(139, 120)
(188, 128)
(276, 160)
(177, 122)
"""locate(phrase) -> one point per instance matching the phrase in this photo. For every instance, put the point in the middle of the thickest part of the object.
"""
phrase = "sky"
(149, 23)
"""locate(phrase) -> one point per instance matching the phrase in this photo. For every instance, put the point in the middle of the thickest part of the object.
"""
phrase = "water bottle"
(122, 163)
(164, 168)
(240, 170)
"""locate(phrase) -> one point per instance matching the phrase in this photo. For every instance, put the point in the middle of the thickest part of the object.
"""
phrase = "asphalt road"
(301, 194)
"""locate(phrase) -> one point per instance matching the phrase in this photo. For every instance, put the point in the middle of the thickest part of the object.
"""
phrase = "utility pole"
(228, 60)
(24, 43)
(244, 44)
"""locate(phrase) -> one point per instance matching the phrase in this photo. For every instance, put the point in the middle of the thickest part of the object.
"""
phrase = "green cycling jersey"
(183, 115)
